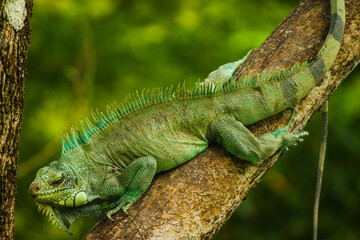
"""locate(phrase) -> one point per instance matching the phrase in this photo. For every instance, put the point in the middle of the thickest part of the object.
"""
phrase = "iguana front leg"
(239, 141)
(133, 182)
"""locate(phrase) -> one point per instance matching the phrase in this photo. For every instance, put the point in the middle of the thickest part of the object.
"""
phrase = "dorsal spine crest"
(149, 97)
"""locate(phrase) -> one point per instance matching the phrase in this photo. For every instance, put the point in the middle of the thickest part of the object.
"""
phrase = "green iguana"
(111, 163)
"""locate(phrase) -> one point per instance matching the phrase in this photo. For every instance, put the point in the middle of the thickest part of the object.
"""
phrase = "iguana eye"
(57, 180)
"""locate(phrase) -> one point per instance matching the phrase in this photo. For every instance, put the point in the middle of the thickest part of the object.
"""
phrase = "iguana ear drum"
(79, 198)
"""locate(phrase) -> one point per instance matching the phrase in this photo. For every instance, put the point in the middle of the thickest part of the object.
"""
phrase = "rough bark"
(194, 200)
(14, 46)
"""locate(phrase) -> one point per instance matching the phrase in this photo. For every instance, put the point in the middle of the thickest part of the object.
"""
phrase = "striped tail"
(270, 95)
(326, 56)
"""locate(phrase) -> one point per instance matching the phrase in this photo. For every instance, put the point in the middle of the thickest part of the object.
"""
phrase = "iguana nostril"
(34, 189)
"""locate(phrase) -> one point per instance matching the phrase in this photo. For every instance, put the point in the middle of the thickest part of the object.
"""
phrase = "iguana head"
(58, 193)
(57, 184)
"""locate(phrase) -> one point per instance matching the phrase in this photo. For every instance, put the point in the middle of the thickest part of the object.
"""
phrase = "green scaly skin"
(108, 166)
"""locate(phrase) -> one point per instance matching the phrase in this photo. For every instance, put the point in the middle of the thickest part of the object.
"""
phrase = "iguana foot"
(290, 139)
(224, 73)
(125, 202)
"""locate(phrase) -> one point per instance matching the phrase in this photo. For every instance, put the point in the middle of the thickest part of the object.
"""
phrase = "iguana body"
(114, 160)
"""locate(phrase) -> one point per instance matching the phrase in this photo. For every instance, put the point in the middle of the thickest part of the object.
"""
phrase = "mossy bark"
(14, 46)
(193, 201)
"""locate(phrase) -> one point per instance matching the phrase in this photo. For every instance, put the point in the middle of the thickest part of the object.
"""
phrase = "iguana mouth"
(44, 194)
(63, 196)
(36, 192)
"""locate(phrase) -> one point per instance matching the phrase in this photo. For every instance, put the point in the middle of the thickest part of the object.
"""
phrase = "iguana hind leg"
(134, 181)
(224, 73)
(238, 140)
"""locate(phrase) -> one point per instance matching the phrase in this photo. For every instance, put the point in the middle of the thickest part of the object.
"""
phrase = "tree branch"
(194, 200)
(15, 35)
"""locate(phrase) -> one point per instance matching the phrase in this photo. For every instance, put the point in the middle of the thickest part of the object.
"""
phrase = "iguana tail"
(324, 131)
(326, 56)
(297, 83)
(318, 68)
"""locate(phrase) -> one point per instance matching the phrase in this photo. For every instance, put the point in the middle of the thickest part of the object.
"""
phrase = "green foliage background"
(85, 54)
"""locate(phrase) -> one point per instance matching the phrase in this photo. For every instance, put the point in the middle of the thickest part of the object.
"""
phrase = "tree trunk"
(15, 34)
(194, 200)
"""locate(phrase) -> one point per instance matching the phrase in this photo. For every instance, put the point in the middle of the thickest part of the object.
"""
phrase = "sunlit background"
(85, 54)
